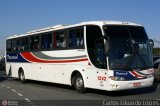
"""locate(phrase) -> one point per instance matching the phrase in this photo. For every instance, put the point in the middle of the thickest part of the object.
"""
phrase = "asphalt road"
(35, 93)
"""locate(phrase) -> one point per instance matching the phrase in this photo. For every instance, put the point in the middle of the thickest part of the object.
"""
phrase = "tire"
(22, 77)
(79, 83)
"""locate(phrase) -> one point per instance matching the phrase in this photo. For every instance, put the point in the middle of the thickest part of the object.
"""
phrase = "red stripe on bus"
(137, 75)
(32, 58)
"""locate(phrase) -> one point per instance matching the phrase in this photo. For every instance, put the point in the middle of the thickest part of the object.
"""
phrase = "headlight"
(116, 78)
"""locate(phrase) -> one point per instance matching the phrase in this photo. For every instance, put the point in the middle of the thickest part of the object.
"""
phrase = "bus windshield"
(129, 48)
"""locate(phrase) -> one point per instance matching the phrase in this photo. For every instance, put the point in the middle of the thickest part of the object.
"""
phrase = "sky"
(20, 16)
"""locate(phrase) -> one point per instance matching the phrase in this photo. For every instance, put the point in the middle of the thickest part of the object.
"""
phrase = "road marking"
(8, 87)
(30, 102)
(13, 90)
(27, 99)
(19, 94)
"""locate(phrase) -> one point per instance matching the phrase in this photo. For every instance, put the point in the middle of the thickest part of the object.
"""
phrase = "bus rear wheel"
(22, 77)
(79, 83)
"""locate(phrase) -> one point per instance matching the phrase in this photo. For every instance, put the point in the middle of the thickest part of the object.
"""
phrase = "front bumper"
(124, 85)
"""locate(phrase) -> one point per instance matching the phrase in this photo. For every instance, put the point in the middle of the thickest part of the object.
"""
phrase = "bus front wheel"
(22, 77)
(79, 83)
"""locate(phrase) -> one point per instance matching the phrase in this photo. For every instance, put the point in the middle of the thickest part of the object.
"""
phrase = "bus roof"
(59, 27)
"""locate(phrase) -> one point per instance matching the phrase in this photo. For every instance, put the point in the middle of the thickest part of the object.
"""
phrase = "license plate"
(137, 84)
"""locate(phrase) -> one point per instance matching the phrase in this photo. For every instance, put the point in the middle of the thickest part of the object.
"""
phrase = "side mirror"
(151, 42)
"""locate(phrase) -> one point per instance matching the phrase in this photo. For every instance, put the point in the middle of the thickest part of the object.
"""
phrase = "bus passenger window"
(31, 42)
(36, 42)
(72, 38)
(14, 45)
(22, 44)
(46, 42)
(60, 40)
(49, 37)
(25, 43)
(43, 42)
(76, 38)
(18, 45)
(80, 37)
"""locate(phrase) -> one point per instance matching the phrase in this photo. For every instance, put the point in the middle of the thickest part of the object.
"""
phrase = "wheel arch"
(20, 70)
(78, 72)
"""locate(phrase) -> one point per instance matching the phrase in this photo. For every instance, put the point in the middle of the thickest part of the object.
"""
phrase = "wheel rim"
(79, 83)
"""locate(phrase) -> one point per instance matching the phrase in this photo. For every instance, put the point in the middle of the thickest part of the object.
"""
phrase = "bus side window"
(46, 41)
(72, 38)
(31, 43)
(22, 44)
(9, 45)
(43, 42)
(49, 37)
(76, 38)
(80, 37)
(36, 43)
(14, 45)
(18, 45)
(60, 39)
(25, 43)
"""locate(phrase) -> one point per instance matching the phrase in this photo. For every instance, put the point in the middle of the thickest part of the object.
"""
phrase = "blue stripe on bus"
(15, 57)
(124, 74)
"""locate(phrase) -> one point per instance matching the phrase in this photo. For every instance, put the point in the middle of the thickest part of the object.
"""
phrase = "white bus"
(105, 55)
